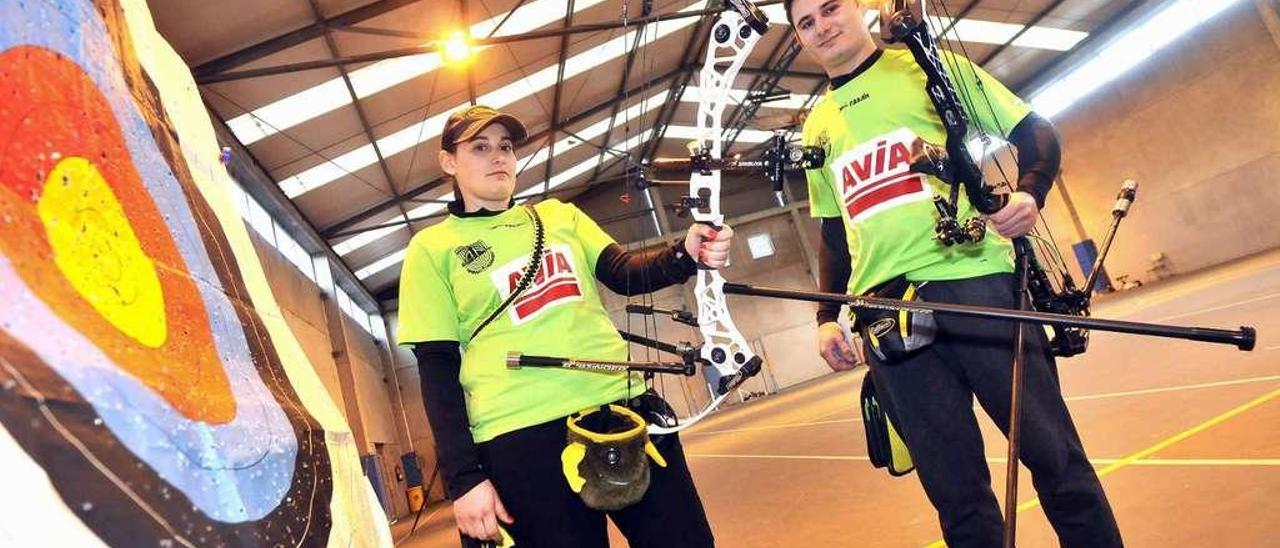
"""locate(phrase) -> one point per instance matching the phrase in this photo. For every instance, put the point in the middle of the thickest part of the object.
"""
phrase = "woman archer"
(494, 277)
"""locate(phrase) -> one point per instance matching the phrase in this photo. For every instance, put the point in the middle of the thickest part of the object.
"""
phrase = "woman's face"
(485, 167)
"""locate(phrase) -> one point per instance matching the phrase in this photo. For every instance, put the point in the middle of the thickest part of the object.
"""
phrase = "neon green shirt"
(867, 127)
(457, 272)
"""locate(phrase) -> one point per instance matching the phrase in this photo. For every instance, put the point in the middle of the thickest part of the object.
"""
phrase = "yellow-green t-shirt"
(867, 126)
(457, 272)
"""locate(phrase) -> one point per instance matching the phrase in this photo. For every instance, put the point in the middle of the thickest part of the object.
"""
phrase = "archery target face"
(132, 368)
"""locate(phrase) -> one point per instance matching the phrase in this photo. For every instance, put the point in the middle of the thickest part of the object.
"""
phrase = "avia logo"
(475, 257)
(556, 283)
(877, 176)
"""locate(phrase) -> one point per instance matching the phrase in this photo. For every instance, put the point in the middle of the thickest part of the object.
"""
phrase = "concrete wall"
(1198, 126)
(419, 431)
(302, 303)
(365, 391)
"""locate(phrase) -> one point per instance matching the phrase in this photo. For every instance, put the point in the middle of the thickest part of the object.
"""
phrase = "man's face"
(833, 31)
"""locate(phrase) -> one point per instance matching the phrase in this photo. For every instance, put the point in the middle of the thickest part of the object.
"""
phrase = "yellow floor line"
(1165, 444)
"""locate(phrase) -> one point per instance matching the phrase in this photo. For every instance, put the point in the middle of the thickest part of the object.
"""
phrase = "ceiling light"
(456, 49)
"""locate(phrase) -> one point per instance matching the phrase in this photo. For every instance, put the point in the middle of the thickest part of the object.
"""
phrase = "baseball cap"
(465, 124)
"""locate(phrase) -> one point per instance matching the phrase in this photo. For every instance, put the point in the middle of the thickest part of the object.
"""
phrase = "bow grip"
(698, 260)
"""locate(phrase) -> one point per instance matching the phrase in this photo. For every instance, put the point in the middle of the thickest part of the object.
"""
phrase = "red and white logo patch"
(556, 283)
(876, 175)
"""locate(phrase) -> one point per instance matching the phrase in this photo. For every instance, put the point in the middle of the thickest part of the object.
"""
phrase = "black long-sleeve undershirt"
(834, 266)
(1039, 155)
(439, 364)
(639, 272)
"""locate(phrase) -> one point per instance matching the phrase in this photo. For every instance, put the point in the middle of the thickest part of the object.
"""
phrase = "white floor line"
(1251, 380)
(1002, 460)
(1215, 308)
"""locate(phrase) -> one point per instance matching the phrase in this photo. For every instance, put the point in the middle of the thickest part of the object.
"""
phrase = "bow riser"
(724, 347)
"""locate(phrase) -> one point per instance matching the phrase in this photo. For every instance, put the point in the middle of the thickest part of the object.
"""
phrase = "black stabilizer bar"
(1244, 338)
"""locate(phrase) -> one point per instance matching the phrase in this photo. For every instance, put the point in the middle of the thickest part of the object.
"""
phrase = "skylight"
(325, 97)
(564, 145)
(430, 128)
(975, 31)
(1125, 52)
(556, 181)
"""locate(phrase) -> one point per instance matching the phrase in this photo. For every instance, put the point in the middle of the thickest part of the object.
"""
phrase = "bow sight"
(779, 157)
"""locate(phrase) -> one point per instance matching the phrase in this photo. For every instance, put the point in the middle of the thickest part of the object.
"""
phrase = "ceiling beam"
(287, 40)
(470, 67)
(555, 101)
(211, 75)
(692, 48)
(1033, 22)
(359, 108)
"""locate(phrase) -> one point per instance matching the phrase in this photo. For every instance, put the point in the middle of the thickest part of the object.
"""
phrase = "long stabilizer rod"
(1244, 338)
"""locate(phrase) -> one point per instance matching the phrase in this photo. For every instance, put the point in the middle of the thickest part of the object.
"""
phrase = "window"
(761, 245)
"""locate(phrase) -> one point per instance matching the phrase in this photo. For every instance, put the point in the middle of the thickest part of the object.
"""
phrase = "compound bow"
(725, 355)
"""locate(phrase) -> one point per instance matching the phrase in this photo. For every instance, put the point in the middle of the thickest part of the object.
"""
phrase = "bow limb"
(656, 430)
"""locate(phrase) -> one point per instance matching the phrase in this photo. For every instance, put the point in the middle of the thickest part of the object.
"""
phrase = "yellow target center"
(95, 248)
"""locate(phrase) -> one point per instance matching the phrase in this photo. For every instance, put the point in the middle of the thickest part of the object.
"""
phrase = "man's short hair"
(786, 5)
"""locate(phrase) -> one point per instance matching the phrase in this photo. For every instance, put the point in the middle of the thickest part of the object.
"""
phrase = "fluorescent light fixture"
(691, 133)
(1125, 52)
(694, 94)
(332, 94)
(597, 129)
(382, 264)
(972, 30)
(992, 32)
(410, 136)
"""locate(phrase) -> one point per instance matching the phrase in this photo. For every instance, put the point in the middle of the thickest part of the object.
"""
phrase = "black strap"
(530, 270)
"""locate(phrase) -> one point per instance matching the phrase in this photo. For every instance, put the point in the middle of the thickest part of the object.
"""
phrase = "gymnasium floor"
(1186, 438)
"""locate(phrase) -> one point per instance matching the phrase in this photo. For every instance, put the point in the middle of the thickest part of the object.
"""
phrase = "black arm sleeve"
(636, 273)
(1039, 155)
(834, 266)
(439, 363)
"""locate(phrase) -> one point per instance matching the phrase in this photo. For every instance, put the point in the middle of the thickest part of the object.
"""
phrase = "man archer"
(878, 217)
